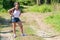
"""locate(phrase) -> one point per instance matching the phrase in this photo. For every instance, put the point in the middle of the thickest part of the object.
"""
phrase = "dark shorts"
(14, 19)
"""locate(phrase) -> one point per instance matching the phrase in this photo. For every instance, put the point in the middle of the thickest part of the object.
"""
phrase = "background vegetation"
(30, 5)
(34, 6)
(40, 6)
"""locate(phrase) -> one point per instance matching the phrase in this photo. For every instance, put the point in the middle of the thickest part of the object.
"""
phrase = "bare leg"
(14, 28)
(21, 26)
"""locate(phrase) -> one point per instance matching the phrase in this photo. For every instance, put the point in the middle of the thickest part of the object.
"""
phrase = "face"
(16, 5)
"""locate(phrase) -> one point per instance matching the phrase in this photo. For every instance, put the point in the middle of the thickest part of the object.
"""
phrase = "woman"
(15, 14)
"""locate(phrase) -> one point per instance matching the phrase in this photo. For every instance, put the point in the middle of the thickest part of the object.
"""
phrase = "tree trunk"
(38, 2)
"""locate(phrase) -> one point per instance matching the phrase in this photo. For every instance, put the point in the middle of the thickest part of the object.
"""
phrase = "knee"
(21, 25)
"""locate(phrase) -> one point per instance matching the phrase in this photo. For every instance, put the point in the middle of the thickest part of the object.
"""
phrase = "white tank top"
(16, 13)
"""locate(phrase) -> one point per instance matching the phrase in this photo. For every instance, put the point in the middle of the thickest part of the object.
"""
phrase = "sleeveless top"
(16, 13)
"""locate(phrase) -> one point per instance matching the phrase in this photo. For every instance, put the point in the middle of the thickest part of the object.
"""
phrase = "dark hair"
(16, 2)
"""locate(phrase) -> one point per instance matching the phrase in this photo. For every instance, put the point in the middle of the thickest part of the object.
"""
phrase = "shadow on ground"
(4, 22)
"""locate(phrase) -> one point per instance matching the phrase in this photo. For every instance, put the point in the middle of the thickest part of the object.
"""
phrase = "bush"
(26, 2)
(42, 8)
(45, 8)
(8, 4)
(2, 9)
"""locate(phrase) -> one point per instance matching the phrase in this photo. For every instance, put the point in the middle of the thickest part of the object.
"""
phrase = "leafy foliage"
(42, 8)
(8, 4)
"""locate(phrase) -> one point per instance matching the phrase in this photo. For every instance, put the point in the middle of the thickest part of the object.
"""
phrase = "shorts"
(14, 19)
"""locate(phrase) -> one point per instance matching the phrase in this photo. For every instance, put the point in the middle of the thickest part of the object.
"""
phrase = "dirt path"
(42, 30)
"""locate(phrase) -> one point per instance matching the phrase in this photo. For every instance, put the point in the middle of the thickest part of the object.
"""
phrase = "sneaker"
(23, 34)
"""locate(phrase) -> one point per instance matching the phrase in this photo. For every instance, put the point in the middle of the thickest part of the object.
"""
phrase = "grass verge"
(54, 20)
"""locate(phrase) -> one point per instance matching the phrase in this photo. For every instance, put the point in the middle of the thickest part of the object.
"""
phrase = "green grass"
(54, 20)
(42, 8)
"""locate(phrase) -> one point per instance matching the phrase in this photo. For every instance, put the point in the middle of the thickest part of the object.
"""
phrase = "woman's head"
(16, 4)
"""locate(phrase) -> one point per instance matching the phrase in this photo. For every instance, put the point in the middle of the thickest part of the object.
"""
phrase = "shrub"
(26, 2)
(42, 8)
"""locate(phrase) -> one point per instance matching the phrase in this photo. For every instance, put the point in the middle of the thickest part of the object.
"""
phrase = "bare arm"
(11, 11)
(20, 13)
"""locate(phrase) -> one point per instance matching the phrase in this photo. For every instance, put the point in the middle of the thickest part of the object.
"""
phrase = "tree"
(38, 2)
(8, 3)
(48, 1)
(42, 1)
(1, 2)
